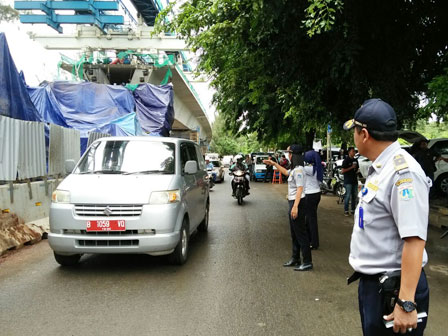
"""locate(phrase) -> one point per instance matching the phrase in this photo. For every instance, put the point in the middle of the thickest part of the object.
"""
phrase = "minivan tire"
(65, 260)
(442, 184)
(203, 227)
(180, 254)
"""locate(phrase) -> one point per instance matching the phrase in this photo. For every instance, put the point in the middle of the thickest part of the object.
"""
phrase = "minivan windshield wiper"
(107, 171)
(148, 172)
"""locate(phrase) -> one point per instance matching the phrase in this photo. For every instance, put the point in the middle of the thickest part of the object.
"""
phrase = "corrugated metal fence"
(64, 145)
(95, 136)
(23, 153)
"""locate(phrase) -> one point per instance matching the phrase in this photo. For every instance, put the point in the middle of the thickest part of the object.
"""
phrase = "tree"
(7, 13)
(225, 143)
(273, 78)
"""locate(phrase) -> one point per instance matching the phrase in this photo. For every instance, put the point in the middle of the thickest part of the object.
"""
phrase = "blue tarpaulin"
(83, 106)
(87, 107)
(155, 110)
(14, 99)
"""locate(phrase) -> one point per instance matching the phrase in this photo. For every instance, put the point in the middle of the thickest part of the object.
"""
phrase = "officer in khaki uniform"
(390, 228)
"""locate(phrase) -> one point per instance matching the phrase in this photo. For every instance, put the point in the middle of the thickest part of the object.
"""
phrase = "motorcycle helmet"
(239, 158)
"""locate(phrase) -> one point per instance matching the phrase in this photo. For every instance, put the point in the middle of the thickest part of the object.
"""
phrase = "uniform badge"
(406, 193)
(400, 162)
(405, 180)
(372, 186)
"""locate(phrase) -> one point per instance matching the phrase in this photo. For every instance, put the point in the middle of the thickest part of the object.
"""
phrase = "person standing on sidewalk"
(296, 201)
(269, 170)
(390, 229)
(314, 175)
(349, 169)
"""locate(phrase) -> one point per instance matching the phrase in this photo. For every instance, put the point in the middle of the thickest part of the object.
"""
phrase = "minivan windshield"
(128, 157)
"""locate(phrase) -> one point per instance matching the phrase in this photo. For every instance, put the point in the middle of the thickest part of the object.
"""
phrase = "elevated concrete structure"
(190, 116)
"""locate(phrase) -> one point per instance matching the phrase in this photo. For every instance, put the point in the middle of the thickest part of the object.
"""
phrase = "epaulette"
(400, 162)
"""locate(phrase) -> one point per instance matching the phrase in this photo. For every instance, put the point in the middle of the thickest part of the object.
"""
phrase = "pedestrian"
(269, 170)
(296, 202)
(285, 164)
(314, 176)
(249, 163)
(387, 248)
(349, 169)
(426, 159)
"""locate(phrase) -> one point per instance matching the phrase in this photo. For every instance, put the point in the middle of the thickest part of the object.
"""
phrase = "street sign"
(328, 129)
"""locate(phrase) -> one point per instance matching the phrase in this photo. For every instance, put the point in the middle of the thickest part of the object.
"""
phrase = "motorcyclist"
(209, 165)
(240, 165)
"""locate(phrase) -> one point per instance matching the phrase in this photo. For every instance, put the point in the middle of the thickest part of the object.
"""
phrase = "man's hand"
(294, 212)
(268, 162)
(402, 319)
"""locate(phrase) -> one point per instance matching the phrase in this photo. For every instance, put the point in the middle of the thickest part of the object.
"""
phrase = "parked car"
(438, 147)
(120, 201)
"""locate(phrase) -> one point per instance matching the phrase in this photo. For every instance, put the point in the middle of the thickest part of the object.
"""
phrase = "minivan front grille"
(106, 243)
(94, 210)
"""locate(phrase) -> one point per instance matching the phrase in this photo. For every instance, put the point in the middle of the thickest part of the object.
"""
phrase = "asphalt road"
(232, 284)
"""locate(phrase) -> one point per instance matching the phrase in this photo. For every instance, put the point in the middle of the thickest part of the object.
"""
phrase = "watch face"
(408, 306)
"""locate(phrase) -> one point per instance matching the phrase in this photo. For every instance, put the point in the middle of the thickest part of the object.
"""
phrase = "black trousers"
(370, 307)
(300, 241)
(312, 202)
(268, 174)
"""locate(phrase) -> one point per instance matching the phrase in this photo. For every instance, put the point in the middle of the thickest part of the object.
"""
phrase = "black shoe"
(292, 262)
(314, 247)
(346, 213)
(304, 267)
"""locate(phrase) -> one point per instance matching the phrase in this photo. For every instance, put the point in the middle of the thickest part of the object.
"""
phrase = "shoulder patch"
(400, 162)
(406, 193)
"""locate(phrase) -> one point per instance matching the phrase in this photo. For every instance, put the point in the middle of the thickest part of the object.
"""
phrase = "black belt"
(357, 275)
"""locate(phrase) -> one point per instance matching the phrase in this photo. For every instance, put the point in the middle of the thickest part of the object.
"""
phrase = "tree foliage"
(7, 13)
(283, 68)
(225, 143)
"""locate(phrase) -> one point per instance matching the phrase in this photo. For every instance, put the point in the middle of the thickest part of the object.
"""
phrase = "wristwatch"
(408, 306)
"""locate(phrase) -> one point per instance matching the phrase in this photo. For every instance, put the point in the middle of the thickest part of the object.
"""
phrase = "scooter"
(333, 181)
(240, 182)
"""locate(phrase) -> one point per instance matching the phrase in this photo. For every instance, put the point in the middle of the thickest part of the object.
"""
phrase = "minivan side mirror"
(191, 167)
(69, 165)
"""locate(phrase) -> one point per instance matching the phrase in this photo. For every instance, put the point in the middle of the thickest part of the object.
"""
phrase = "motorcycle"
(240, 182)
(333, 181)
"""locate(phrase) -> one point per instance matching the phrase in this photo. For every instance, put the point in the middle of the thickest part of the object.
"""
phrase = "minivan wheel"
(442, 184)
(180, 254)
(65, 260)
(203, 227)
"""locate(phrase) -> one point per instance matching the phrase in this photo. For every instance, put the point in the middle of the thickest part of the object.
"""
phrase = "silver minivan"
(130, 195)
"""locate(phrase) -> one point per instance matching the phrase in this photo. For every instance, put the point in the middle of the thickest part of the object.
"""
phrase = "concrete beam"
(92, 38)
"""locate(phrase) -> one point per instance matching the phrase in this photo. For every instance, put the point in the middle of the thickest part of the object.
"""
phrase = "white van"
(130, 195)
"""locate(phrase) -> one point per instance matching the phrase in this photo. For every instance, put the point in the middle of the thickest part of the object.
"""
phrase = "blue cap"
(374, 114)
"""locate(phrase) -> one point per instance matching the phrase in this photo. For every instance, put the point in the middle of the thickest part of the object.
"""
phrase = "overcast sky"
(39, 64)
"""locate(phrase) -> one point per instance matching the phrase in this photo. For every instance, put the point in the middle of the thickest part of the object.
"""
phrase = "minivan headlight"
(164, 197)
(60, 196)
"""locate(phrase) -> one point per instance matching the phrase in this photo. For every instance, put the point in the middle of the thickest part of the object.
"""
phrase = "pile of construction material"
(15, 233)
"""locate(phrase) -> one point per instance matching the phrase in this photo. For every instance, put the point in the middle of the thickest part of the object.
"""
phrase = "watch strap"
(408, 306)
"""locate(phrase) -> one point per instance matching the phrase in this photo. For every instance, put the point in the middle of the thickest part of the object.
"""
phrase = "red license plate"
(106, 225)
